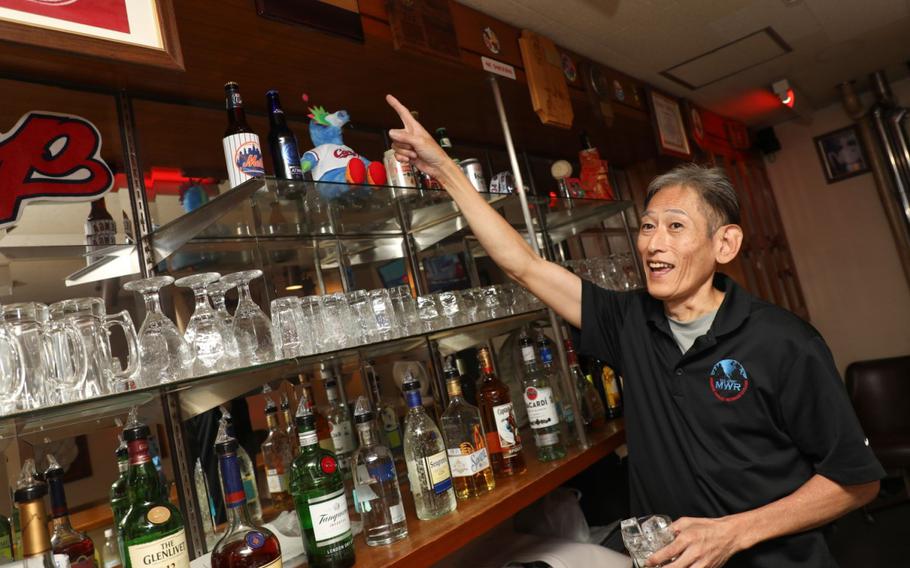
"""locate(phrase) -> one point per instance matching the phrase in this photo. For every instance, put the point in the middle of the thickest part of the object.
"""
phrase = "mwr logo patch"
(729, 380)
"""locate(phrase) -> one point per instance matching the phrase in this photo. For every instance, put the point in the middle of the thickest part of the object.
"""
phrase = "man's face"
(678, 254)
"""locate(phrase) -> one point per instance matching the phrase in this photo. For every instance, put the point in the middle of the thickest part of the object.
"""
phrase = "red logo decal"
(50, 157)
(328, 464)
(531, 393)
(344, 153)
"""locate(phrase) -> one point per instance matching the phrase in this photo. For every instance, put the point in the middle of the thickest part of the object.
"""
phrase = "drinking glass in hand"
(643, 536)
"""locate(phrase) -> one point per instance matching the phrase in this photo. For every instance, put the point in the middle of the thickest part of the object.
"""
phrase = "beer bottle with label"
(242, 152)
(282, 142)
(442, 137)
(29, 498)
(77, 546)
(100, 229)
(153, 534)
(495, 402)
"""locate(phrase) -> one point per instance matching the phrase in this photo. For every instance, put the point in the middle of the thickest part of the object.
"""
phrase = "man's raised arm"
(553, 284)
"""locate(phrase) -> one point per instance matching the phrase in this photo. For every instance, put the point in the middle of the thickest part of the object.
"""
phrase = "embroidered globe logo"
(729, 380)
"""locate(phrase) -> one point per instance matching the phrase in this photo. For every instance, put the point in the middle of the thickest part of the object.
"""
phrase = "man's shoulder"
(774, 324)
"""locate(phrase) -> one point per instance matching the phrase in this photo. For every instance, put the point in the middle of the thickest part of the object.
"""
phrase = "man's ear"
(727, 241)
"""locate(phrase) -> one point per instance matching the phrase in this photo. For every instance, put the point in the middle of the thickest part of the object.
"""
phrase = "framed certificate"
(669, 128)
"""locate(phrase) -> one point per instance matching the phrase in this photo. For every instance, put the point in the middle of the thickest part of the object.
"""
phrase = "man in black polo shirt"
(737, 422)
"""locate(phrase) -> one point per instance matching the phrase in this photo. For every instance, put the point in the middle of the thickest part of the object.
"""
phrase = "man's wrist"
(450, 173)
(743, 531)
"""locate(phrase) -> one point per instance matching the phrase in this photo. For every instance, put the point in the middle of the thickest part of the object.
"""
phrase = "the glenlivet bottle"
(77, 546)
(152, 531)
(495, 402)
(29, 498)
(318, 490)
(242, 152)
(377, 496)
(276, 455)
(244, 544)
(282, 142)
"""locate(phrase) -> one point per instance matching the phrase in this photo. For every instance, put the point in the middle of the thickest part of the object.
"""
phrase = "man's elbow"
(865, 493)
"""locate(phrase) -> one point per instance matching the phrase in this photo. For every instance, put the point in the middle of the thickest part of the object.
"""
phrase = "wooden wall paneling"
(469, 27)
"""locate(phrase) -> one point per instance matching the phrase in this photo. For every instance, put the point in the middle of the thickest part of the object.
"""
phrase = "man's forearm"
(817, 502)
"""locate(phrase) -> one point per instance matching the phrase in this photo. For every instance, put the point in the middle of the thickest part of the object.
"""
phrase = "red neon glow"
(789, 99)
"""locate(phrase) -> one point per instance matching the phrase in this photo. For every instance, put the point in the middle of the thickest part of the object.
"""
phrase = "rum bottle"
(472, 474)
(245, 544)
(29, 499)
(318, 490)
(541, 405)
(495, 402)
(276, 454)
(426, 457)
(563, 403)
(377, 496)
(77, 546)
(242, 152)
(152, 532)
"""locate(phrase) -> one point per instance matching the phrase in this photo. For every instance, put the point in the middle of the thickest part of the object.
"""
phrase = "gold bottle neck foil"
(35, 538)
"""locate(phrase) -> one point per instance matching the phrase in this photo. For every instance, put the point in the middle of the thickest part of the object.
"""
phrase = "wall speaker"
(766, 141)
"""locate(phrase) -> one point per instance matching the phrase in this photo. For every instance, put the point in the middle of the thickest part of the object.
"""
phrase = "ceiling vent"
(728, 59)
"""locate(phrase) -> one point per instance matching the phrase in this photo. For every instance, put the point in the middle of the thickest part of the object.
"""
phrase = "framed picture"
(134, 31)
(669, 128)
(842, 154)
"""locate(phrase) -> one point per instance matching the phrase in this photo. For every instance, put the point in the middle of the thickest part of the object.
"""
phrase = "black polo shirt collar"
(733, 311)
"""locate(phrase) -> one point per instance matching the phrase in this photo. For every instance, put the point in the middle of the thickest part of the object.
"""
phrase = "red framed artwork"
(134, 31)
(669, 129)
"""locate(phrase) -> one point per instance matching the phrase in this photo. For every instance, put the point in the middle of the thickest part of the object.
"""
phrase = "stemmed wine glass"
(216, 291)
(205, 331)
(252, 328)
(163, 353)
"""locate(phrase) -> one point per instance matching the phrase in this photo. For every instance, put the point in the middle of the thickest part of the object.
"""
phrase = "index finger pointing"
(403, 113)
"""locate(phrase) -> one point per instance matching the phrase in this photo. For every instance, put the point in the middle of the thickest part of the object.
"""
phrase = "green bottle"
(6, 540)
(152, 531)
(318, 490)
(120, 502)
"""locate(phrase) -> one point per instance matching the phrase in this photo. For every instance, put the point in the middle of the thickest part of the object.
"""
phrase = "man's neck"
(705, 300)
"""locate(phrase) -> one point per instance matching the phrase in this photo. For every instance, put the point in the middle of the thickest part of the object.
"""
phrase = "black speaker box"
(766, 141)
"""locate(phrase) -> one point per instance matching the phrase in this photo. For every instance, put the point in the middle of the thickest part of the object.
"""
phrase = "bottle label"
(548, 439)
(541, 407)
(412, 397)
(167, 552)
(291, 159)
(255, 539)
(467, 465)
(307, 438)
(100, 232)
(278, 482)
(527, 354)
(234, 99)
(390, 426)
(234, 488)
(438, 473)
(6, 548)
(343, 437)
(505, 425)
(158, 515)
(82, 562)
(274, 563)
(396, 512)
(139, 452)
(243, 156)
(329, 515)
(546, 356)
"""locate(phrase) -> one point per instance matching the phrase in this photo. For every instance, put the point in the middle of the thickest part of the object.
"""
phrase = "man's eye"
(647, 226)
(676, 225)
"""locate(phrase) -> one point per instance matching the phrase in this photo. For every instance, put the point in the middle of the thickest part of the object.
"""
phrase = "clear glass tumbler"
(288, 330)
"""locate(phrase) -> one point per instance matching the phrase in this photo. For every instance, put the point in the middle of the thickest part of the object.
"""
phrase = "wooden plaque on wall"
(426, 26)
(546, 81)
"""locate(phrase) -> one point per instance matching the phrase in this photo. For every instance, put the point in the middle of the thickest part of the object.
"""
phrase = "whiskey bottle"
(6, 540)
(245, 544)
(247, 471)
(377, 496)
(426, 457)
(472, 474)
(290, 428)
(318, 490)
(152, 531)
(541, 405)
(495, 402)
(611, 390)
(339, 424)
(592, 409)
(77, 546)
(119, 498)
(29, 499)
(388, 417)
(323, 431)
(276, 454)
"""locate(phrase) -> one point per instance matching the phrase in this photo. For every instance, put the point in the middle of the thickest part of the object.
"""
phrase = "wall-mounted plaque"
(425, 26)
(546, 81)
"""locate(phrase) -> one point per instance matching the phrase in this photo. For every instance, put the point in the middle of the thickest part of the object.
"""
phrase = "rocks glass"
(288, 329)
(252, 328)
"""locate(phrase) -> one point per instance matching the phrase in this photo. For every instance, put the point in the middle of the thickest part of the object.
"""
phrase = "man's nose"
(657, 241)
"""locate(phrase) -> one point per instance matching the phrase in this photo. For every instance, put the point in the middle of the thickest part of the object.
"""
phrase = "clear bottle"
(247, 471)
(563, 404)
(323, 431)
(120, 502)
(319, 497)
(592, 408)
(339, 424)
(276, 454)
(290, 428)
(245, 544)
(110, 554)
(77, 546)
(495, 403)
(29, 499)
(391, 425)
(6, 540)
(204, 502)
(426, 457)
(541, 405)
(377, 496)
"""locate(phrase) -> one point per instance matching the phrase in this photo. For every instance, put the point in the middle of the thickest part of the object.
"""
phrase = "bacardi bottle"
(242, 152)
(541, 405)
(77, 546)
(554, 377)
(276, 454)
(495, 402)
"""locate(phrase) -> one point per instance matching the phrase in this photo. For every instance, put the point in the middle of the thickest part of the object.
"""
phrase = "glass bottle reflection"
(252, 328)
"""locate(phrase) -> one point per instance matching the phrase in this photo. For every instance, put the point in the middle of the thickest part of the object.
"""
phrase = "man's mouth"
(659, 268)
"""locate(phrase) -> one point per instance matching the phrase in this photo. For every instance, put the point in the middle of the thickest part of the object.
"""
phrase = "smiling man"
(738, 424)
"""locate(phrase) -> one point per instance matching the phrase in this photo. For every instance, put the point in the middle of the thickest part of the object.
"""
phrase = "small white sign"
(498, 67)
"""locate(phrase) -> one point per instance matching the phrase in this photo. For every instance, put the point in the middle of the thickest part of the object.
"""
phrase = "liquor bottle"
(323, 430)
(554, 377)
(242, 151)
(100, 229)
(592, 409)
(290, 428)
(377, 496)
(276, 454)
(425, 456)
(282, 142)
(503, 438)
(318, 490)
(339, 424)
(110, 554)
(77, 546)
(247, 471)
(6, 540)
(152, 532)
(16, 527)
(391, 426)
(244, 544)
(204, 502)
(611, 390)
(442, 137)
(120, 502)
(541, 405)
(29, 499)
(472, 474)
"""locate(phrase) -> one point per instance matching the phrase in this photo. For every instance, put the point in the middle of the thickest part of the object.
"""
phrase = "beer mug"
(54, 356)
(93, 322)
(13, 373)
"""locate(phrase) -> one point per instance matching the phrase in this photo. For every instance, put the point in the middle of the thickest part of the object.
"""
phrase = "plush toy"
(330, 160)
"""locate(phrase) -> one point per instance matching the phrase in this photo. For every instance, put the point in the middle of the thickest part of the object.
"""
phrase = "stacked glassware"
(614, 272)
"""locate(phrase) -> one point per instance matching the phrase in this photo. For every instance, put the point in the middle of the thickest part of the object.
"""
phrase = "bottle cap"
(54, 469)
(231, 85)
(28, 486)
(285, 403)
(135, 432)
(410, 382)
(271, 93)
(108, 533)
(224, 442)
(362, 411)
(270, 407)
